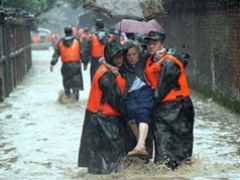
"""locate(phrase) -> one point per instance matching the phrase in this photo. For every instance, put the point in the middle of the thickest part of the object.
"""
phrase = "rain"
(40, 128)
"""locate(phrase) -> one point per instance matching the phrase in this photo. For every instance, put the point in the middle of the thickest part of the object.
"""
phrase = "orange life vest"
(152, 70)
(121, 39)
(97, 47)
(182, 81)
(70, 54)
(94, 102)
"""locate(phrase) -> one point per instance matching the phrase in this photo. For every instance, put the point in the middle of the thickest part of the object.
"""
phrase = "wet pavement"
(40, 133)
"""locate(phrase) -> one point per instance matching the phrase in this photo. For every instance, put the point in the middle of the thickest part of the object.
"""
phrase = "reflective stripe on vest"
(182, 81)
(94, 102)
(97, 47)
(70, 54)
(152, 70)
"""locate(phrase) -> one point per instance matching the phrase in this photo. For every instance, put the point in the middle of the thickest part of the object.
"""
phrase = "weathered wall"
(210, 32)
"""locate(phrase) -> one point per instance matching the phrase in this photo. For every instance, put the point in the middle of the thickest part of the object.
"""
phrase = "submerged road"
(40, 134)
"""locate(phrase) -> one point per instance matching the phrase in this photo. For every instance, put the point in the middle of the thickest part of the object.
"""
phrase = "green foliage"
(32, 6)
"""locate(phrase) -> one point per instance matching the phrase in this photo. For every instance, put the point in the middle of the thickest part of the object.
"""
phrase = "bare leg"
(143, 131)
(134, 128)
(140, 148)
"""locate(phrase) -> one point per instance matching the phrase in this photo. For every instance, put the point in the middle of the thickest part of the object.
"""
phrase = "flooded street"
(40, 136)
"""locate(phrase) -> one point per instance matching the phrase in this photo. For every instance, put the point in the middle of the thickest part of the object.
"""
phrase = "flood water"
(40, 134)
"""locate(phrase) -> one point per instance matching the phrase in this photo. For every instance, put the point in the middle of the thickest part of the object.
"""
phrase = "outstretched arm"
(113, 69)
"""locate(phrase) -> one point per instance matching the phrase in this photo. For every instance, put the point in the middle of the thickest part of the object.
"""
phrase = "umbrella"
(134, 26)
(156, 25)
(128, 9)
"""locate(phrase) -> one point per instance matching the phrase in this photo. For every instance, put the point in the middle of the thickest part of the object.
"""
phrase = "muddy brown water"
(40, 133)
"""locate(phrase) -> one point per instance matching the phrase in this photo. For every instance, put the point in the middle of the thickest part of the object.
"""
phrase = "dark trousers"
(75, 92)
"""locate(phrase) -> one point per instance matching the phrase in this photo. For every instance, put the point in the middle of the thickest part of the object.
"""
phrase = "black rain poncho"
(102, 142)
(71, 71)
(72, 75)
(172, 121)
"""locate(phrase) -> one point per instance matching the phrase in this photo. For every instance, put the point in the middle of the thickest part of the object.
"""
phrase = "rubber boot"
(67, 92)
(76, 94)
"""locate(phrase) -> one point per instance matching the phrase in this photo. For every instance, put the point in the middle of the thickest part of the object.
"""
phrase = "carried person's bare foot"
(138, 152)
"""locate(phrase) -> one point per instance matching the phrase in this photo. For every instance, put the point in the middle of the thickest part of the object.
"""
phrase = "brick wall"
(210, 32)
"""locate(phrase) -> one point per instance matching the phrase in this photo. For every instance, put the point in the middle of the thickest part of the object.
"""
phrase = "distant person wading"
(96, 45)
(69, 49)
